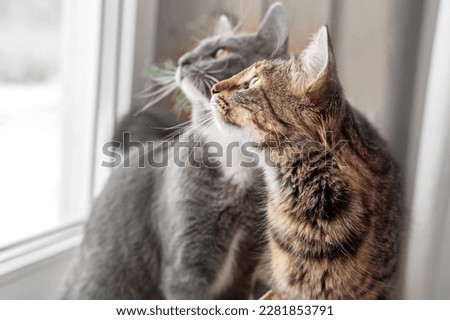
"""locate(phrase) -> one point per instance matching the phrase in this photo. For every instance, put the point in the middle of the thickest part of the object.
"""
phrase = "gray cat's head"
(219, 57)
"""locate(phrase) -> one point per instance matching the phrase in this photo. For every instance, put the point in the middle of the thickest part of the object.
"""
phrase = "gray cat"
(188, 232)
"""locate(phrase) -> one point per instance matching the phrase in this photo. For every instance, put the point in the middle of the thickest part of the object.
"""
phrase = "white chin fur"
(242, 177)
(192, 93)
(178, 76)
(237, 134)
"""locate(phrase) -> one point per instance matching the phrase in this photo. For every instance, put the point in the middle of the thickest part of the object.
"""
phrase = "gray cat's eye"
(221, 52)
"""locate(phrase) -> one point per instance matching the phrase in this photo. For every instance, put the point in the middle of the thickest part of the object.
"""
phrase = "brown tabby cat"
(334, 208)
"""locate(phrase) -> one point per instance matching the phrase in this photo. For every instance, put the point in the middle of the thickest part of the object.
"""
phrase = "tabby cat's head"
(225, 54)
(283, 100)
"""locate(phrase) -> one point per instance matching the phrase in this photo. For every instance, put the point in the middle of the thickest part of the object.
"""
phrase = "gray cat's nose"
(184, 61)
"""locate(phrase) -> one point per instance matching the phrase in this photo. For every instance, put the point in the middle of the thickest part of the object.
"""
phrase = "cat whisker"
(163, 77)
(160, 83)
(162, 74)
(207, 126)
(178, 126)
(201, 85)
(210, 77)
(199, 130)
(157, 98)
(193, 129)
(208, 68)
(200, 71)
(210, 83)
(167, 71)
(153, 87)
(168, 68)
(207, 86)
(158, 91)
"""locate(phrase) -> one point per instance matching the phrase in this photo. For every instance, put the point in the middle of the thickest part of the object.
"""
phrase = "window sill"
(34, 269)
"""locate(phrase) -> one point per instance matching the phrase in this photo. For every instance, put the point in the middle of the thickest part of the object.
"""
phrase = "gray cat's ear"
(274, 28)
(315, 61)
(223, 26)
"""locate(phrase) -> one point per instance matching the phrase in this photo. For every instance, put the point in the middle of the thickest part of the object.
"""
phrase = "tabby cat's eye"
(220, 53)
(253, 81)
(250, 83)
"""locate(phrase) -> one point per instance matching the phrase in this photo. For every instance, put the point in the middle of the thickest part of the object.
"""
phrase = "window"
(47, 96)
(52, 127)
(30, 117)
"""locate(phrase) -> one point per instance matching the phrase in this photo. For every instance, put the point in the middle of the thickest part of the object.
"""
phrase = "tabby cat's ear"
(223, 26)
(274, 28)
(316, 61)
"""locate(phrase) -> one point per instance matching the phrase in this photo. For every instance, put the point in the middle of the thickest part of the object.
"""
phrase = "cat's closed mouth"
(221, 108)
(220, 104)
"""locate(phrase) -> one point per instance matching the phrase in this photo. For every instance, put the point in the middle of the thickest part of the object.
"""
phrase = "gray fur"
(157, 233)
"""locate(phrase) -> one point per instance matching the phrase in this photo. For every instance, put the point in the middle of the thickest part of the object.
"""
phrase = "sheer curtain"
(428, 260)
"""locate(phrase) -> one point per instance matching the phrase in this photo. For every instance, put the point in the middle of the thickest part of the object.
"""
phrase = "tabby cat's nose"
(218, 87)
(214, 89)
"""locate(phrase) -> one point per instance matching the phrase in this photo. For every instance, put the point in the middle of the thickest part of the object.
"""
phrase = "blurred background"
(70, 69)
